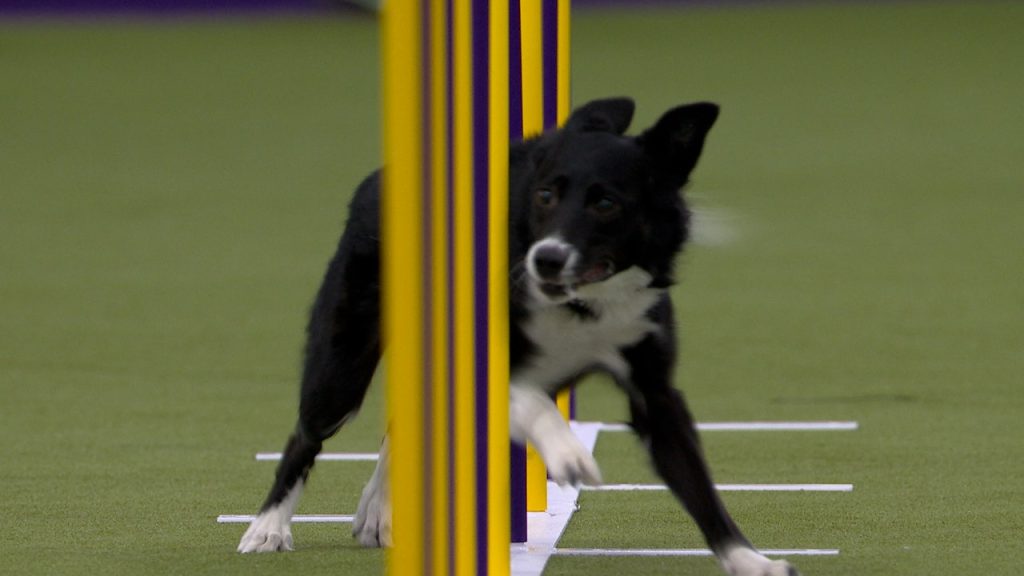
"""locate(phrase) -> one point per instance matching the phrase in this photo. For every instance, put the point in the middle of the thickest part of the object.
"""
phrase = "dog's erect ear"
(675, 141)
(608, 115)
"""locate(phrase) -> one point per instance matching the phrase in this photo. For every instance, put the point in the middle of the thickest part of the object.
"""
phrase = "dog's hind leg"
(339, 368)
(343, 348)
(372, 525)
(662, 420)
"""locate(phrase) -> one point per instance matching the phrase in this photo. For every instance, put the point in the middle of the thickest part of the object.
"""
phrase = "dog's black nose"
(549, 260)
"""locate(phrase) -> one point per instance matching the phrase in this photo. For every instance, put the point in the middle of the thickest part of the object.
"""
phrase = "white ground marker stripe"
(683, 552)
(298, 518)
(545, 528)
(325, 456)
(750, 426)
(728, 487)
(608, 427)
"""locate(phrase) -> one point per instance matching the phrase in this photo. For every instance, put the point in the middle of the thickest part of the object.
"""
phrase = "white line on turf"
(562, 501)
(297, 518)
(728, 487)
(749, 426)
(610, 427)
(545, 528)
(682, 552)
(325, 456)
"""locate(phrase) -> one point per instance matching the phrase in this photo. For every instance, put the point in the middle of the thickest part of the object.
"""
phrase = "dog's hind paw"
(372, 524)
(269, 532)
(742, 561)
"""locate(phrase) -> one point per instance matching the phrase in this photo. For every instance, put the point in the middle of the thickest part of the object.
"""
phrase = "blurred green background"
(171, 189)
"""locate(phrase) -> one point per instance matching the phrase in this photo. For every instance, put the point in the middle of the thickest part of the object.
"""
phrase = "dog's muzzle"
(553, 268)
(550, 261)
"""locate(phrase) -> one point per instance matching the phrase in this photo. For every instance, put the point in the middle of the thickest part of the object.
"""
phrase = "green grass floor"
(170, 192)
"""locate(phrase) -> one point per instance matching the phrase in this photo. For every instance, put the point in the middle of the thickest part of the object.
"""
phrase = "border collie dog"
(597, 220)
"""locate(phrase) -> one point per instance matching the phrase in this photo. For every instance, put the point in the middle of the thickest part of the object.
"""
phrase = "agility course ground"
(171, 191)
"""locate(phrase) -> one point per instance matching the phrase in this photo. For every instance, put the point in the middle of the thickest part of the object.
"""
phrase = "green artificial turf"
(170, 192)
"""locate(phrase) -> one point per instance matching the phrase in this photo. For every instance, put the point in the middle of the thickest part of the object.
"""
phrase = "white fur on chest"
(567, 344)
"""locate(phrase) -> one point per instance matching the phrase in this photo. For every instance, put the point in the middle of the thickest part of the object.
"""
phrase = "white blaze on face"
(552, 242)
(566, 278)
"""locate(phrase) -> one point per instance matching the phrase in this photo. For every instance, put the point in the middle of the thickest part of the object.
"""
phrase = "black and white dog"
(596, 222)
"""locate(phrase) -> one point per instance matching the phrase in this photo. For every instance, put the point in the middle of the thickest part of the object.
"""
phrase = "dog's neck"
(589, 330)
(581, 309)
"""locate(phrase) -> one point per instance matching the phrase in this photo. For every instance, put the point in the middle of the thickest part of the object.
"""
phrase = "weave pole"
(543, 78)
(445, 268)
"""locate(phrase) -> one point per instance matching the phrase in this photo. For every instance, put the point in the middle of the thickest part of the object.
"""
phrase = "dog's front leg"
(372, 525)
(661, 418)
(534, 418)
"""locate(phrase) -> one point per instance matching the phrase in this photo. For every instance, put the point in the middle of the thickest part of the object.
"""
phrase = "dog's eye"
(545, 197)
(605, 205)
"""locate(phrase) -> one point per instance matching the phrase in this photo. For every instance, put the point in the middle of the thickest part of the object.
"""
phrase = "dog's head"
(593, 202)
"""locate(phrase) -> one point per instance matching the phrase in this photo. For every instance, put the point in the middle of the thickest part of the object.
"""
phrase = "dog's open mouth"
(553, 291)
(600, 271)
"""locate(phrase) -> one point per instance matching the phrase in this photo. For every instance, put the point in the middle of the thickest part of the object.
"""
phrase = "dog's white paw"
(568, 461)
(372, 525)
(743, 561)
(533, 417)
(271, 531)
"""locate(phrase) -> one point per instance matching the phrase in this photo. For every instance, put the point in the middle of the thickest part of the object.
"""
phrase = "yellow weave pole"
(530, 22)
(445, 280)
(403, 266)
(437, 90)
(546, 99)
(464, 455)
(563, 102)
(564, 37)
(499, 560)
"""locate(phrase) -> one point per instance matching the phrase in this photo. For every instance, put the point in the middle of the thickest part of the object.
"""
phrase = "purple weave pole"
(517, 465)
(481, 259)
